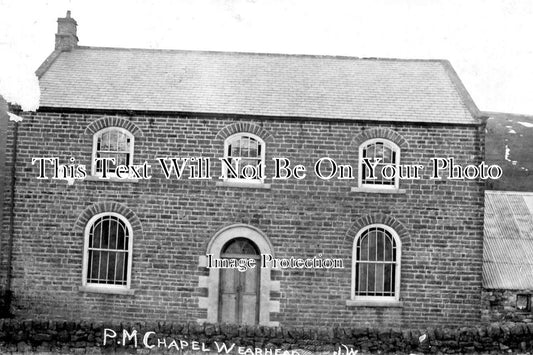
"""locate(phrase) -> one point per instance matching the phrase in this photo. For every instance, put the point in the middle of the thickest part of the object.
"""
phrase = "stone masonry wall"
(172, 338)
(501, 306)
(441, 250)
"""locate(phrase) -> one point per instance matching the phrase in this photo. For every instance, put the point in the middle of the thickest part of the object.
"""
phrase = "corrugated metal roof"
(508, 240)
(256, 84)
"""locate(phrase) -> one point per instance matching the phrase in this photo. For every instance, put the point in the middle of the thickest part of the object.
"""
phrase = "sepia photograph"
(266, 177)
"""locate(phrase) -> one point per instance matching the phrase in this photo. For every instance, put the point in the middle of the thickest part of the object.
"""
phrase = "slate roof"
(508, 240)
(256, 84)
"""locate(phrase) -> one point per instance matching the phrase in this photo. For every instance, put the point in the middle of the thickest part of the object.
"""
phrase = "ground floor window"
(376, 267)
(107, 251)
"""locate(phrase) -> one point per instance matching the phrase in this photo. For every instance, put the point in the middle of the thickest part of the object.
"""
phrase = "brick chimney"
(66, 38)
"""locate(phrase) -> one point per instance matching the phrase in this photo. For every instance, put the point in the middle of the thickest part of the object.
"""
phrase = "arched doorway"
(239, 290)
(236, 241)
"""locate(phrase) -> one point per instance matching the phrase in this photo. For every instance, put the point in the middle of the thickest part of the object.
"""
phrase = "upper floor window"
(376, 264)
(245, 158)
(107, 252)
(379, 153)
(112, 142)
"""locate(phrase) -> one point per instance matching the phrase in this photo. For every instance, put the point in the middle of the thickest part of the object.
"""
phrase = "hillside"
(509, 143)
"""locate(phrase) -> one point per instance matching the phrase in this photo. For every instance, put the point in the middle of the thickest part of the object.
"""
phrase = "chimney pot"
(66, 38)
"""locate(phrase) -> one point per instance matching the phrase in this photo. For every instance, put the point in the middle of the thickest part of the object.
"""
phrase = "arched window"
(376, 264)
(107, 252)
(245, 156)
(388, 153)
(112, 142)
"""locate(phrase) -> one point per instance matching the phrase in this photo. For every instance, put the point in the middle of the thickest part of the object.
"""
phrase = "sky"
(488, 42)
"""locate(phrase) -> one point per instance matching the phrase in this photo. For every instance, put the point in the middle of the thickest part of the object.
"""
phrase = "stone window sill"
(112, 179)
(244, 184)
(369, 303)
(106, 290)
(378, 190)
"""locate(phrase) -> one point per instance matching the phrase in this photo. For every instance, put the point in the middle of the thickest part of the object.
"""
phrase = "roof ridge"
(516, 115)
(502, 192)
(276, 54)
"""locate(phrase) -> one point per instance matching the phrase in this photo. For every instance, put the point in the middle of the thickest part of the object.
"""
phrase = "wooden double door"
(239, 290)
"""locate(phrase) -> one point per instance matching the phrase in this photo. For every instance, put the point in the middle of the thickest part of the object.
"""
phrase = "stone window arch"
(386, 226)
(376, 264)
(126, 222)
(112, 137)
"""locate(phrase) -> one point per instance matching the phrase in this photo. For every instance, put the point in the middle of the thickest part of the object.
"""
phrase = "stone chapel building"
(130, 248)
